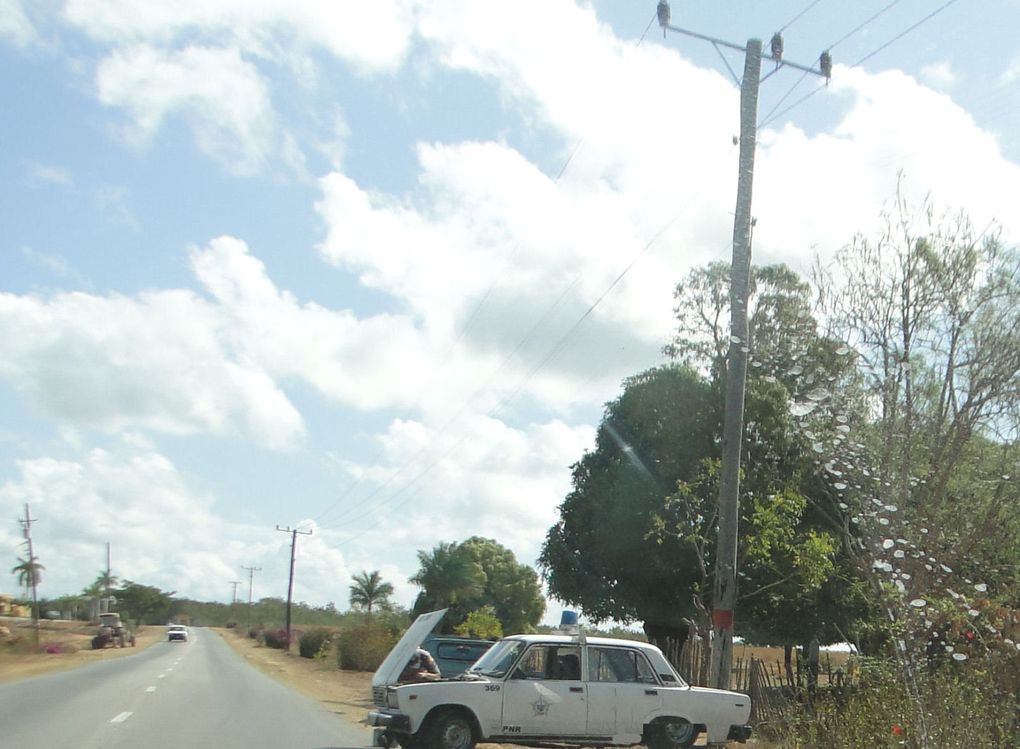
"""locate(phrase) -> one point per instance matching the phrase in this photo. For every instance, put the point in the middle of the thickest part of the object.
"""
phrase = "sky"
(372, 270)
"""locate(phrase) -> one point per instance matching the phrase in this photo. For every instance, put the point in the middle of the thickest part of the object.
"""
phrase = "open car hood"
(389, 670)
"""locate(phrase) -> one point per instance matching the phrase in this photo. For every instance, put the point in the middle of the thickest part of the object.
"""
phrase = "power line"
(905, 32)
(789, 23)
(772, 117)
(554, 351)
(862, 25)
(768, 117)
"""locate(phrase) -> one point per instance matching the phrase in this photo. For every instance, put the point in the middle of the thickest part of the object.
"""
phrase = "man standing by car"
(421, 667)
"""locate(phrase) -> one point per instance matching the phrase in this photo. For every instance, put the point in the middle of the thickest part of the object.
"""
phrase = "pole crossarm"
(780, 61)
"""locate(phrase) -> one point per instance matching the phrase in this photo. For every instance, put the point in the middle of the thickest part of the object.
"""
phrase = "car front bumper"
(389, 721)
(739, 733)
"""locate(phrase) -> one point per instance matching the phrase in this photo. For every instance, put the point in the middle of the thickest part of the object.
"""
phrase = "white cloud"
(1011, 73)
(939, 75)
(220, 95)
(371, 36)
(491, 267)
(45, 174)
(15, 25)
(154, 362)
(55, 264)
(161, 531)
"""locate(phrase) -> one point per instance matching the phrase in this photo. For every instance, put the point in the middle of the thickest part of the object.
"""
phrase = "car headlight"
(392, 699)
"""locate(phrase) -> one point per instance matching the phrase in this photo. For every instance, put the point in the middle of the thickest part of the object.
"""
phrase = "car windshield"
(498, 659)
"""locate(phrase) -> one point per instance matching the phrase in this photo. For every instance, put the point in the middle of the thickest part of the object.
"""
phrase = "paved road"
(194, 695)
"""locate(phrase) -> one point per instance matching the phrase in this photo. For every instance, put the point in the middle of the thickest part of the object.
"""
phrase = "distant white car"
(552, 689)
(177, 633)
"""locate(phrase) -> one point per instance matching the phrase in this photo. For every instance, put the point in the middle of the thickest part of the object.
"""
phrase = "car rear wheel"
(672, 733)
(450, 730)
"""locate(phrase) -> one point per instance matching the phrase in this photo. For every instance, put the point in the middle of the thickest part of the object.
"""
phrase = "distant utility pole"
(725, 584)
(233, 596)
(26, 529)
(251, 585)
(290, 584)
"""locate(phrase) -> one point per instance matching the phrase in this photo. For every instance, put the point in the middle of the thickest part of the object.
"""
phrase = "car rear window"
(459, 651)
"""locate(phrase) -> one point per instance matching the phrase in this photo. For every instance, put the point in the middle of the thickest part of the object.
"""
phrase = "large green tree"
(144, 603)
(652, 478)
(603, 554)
(476, 573)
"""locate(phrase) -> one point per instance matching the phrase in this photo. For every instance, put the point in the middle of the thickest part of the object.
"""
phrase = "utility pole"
(725, 583)
(233, 596)
(109, 569)
(290, 584)
(26, 528)
(251, 585)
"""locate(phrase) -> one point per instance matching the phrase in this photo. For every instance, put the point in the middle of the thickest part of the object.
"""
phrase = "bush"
(364, 644)
(276, 638)
(316, 642)
(953, 707)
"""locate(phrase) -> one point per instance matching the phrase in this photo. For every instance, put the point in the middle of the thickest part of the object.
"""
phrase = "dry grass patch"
(69, 643)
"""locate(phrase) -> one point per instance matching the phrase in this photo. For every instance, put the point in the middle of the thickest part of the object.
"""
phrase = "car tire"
(450, 729)
(672, 733)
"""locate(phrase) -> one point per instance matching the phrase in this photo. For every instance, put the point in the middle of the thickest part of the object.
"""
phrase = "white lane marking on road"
(161, 676)
(150, 689)
(121, 718)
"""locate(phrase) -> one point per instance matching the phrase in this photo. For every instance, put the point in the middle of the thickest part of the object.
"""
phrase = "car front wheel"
(672, 733)
(450, 730)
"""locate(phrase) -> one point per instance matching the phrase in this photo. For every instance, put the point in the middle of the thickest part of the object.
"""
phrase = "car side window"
(553, 662)
(622, 665)
(533, 664)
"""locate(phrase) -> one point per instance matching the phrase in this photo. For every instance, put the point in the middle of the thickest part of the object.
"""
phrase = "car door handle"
(651, 691)
(577, 689)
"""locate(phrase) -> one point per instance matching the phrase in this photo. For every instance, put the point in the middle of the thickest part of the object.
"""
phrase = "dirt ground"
(71, 642)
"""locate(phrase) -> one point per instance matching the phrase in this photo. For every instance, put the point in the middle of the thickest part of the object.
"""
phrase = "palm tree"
(368, 589)
(29, 572)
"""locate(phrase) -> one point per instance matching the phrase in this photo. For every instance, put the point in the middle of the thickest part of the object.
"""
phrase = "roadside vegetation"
(879, 500)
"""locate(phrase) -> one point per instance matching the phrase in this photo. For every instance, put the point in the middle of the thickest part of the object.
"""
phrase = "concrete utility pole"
(290, 584)
(32, 570)
(725, 583)
(251, 585)
(724, 591)
(233, 596)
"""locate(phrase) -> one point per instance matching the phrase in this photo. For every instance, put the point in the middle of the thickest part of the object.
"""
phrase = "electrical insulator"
(825, 63)
(662, 10)
(777, 47)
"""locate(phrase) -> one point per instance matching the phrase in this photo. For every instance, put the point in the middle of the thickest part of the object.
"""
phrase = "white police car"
(563, 689)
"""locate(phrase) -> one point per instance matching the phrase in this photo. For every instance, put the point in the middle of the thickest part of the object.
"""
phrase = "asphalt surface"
(180, 695)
